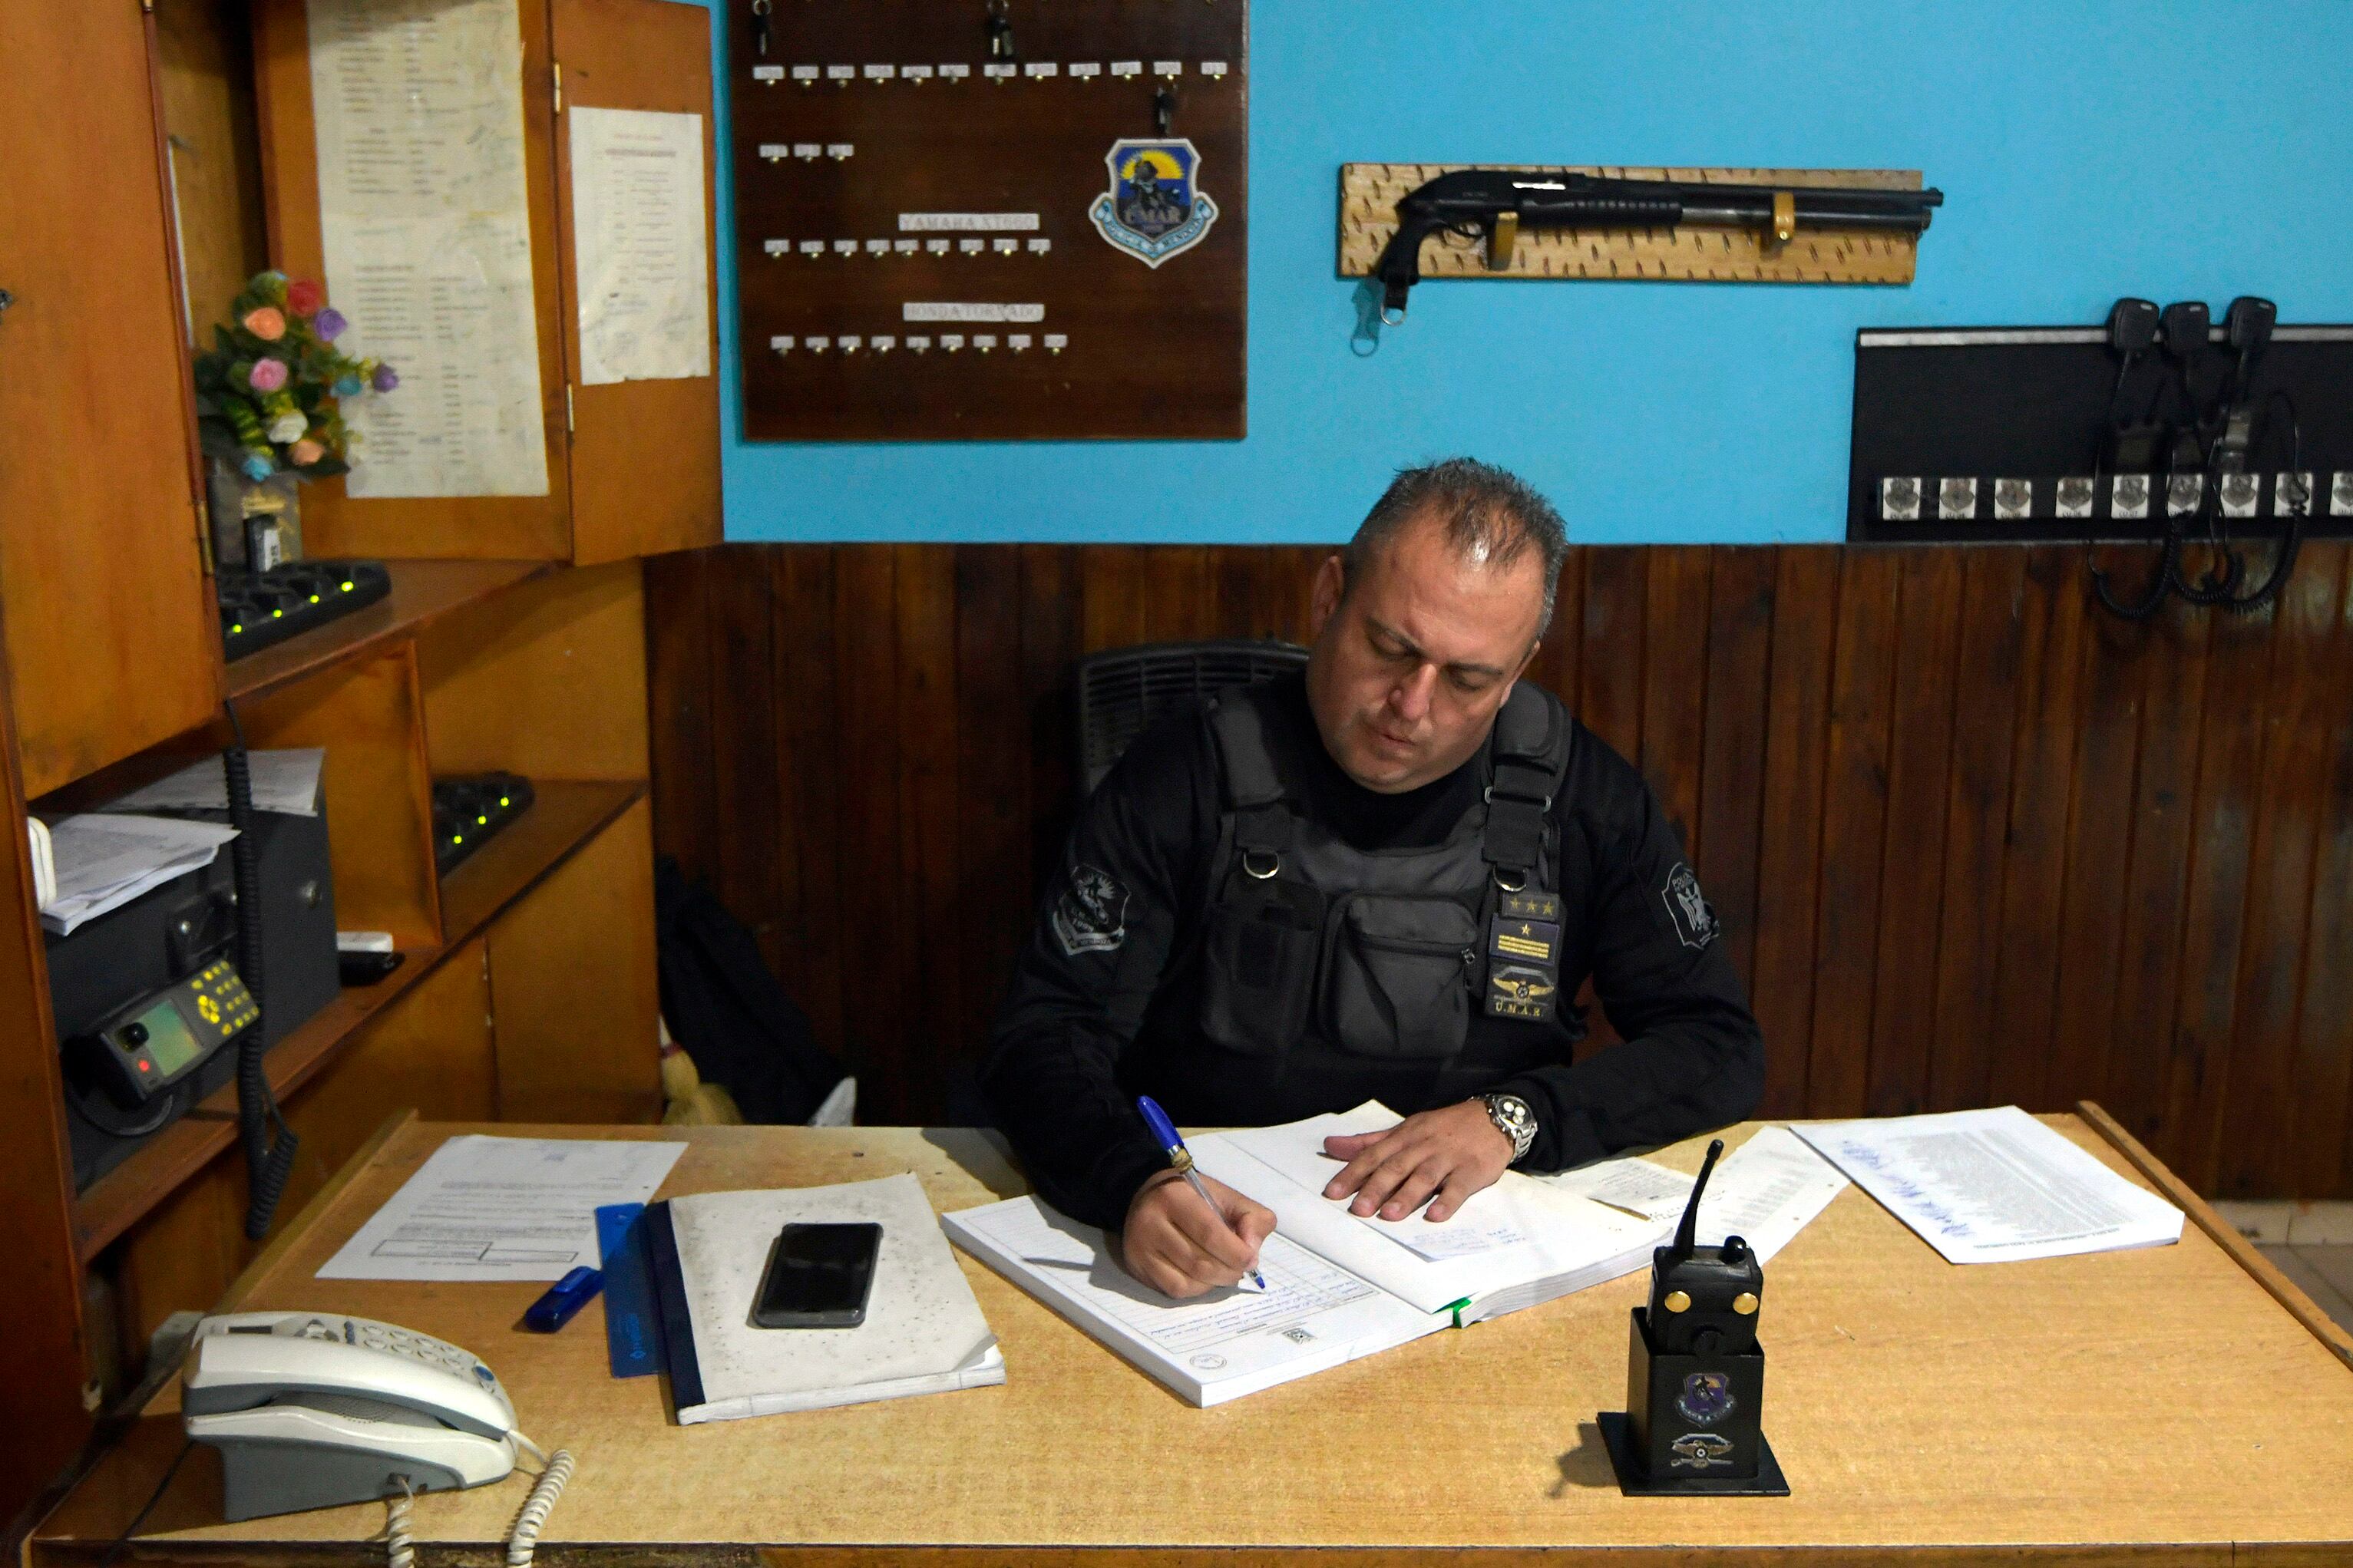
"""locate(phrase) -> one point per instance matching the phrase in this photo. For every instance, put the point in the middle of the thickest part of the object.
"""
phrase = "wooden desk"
(2151, 1407)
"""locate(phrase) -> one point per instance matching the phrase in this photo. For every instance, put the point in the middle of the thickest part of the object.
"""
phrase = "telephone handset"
(314, 1409)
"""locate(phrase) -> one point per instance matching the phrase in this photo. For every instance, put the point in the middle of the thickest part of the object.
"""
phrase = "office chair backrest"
(1123, 690)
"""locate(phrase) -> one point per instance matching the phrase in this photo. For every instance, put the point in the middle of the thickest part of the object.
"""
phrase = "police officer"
(1385, 879)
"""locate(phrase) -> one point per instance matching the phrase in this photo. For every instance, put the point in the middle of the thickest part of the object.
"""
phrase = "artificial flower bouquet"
(268, 394)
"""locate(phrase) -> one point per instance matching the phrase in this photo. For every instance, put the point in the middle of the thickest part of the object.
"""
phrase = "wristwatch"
(1514, 1118)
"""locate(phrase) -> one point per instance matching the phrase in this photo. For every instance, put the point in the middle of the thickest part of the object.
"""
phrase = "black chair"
(1124, 691)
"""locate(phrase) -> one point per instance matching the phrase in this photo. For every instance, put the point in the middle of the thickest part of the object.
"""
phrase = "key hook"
(1164, 110)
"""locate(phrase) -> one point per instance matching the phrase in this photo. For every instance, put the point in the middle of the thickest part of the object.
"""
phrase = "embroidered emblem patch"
(1694, 916)
(1092, 914)
(1155, 208)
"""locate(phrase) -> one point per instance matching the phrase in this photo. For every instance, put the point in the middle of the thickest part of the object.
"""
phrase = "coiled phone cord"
(400, 1546)
(523, 1539)
(268, 1162)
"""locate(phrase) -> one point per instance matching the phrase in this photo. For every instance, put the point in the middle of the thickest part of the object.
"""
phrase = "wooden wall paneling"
(204, 68)
(2324, 1030)
(2304, 704)
(1985, 731)
(1805, 599)
(1234, 578)
(1555, 666)
(378, 787)
(1912, 894)
(1609, 666)
(747, 827)
(2097, 844)
(2221, 842)
(1288, 578)
(183, 1254)
(1053, 630)
(878, 902)
(645, 454)
(1674, 683)
(521, 527)
(2129, 1080)
(546, 679)
(573, 988)
(111, 630)
(1732, 762)
(1855, 818)
(2051, 681)
(809, 794)
(992, 756)
(1115, 589)
(928, 822)
(680, 709)
(1180, 600)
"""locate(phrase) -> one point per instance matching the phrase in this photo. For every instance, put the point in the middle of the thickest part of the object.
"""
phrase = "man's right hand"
(1174, 1244)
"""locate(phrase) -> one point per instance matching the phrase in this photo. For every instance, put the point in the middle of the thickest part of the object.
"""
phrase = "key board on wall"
(991, 219)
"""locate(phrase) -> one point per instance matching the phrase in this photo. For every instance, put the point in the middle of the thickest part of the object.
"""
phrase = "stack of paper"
(1987, 1186)
(1338, 1287)
(923, 1333)
(105, 861)
(285, 780)
(1764, 1192)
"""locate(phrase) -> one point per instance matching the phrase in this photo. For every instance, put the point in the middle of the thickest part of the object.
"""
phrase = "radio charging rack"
(259, 609)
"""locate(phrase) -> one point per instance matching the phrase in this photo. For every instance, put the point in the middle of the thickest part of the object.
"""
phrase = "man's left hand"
(1453, 1152)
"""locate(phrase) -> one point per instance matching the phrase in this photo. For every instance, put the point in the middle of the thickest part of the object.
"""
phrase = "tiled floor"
(2323, 1273)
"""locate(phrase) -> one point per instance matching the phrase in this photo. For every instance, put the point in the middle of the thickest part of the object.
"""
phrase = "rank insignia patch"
(1694, 916)
(1155, 208)
(1092, 914)
(1518, 991)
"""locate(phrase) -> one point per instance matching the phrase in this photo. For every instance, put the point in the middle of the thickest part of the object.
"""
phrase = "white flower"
(289, 427)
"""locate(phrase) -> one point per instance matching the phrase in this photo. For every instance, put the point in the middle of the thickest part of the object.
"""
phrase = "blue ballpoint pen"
(1163, 1132)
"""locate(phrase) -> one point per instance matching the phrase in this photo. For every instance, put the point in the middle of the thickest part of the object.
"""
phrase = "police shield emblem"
(1155, 208)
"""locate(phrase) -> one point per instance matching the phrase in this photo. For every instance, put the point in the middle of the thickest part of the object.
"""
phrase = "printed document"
(105, 861)
(1987, 1186)
(285, 780)
(502, 1208)
(638, 237)
(1765, 1192)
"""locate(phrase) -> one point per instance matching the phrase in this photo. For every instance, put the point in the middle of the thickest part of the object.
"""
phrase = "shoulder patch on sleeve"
(1694, 916)
(1092, 914)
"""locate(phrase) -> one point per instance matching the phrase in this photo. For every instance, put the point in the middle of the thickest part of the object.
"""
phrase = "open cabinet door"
(634, 189)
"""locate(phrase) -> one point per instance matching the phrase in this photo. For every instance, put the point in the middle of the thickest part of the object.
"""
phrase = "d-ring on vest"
(1313, 946)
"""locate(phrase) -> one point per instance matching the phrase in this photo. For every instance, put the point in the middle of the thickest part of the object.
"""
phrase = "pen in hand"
(1163, 1132)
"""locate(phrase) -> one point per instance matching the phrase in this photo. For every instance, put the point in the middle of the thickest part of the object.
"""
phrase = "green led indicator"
(234, 630)
(502, 800)
(276, 613)
(482, 822)
(314, 598)
(457, 838)
(347, 587)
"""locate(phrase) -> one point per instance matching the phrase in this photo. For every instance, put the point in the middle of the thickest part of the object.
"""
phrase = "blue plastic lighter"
(1163, 1132)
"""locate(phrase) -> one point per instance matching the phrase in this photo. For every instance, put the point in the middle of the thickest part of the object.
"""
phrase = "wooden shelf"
(422, 591)
(566, 815)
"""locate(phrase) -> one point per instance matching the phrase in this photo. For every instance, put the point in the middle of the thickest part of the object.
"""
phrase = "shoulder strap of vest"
(1531, 751)
(1254, 784)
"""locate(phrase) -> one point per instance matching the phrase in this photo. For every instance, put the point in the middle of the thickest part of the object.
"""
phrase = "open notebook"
(1337, 1287)
(923, 1332)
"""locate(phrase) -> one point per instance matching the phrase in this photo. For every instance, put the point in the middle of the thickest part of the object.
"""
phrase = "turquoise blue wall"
(2076, 167)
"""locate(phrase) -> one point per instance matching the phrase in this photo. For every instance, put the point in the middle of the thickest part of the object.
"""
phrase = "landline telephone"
(314, 1409)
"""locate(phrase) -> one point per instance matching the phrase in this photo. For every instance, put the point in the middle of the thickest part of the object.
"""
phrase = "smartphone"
(819, 1277)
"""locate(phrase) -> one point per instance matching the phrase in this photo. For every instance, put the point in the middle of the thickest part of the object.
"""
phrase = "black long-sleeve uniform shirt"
(1104, 995)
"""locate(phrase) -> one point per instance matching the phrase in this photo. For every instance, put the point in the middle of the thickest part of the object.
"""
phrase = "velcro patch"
(1092, 914)
(1694, 916)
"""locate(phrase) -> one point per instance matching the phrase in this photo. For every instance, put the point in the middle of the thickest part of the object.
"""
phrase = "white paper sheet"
(502, 1208)
(1312, 1315)
(637, 228)
(103, 861)
(1488, 1221)
(285, 780)
(1765, 1192)
(1989, 1186)
(426, 224)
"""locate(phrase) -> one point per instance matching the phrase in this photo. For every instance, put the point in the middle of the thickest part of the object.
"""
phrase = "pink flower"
(268, 374)
(266, 322)
(305, 453)
(303, 297)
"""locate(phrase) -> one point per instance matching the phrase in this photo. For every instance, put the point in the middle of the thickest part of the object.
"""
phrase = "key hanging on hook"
(1000, 31)
(1164, 110)
(760, 10)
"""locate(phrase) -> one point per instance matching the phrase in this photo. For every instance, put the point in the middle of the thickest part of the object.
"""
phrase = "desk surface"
(2120, 1401)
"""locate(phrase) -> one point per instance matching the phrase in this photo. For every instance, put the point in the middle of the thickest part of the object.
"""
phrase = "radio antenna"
(1687, 1233)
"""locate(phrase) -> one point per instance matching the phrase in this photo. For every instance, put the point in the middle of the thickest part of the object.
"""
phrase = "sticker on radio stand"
(1155, 208)
(1706, 1398)
(1700, 1451)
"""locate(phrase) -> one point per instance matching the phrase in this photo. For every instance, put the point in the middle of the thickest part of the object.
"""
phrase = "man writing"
(1383, 880)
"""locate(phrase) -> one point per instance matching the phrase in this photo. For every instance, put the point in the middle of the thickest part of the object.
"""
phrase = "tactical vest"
(1320, 953)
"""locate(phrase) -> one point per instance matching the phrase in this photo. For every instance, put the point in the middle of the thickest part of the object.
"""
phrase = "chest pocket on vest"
(1398, 982)
(1260, 963)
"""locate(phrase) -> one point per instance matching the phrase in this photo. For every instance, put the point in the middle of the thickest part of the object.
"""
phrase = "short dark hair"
(1490, 515)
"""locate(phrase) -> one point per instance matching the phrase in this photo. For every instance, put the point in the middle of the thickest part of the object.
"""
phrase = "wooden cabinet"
(110, 631)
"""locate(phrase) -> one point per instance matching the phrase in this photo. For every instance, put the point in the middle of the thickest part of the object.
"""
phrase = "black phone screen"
(819, 1277)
